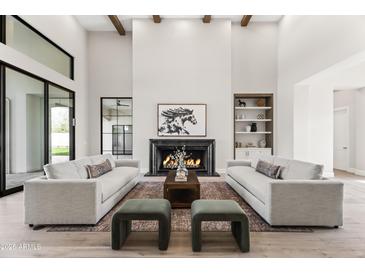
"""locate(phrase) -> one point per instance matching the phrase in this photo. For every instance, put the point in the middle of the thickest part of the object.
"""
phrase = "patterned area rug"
(181, 217)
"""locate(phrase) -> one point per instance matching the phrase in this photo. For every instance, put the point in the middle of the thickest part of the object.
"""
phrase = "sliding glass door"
(37, 127)
(61, 124)
(24, 128)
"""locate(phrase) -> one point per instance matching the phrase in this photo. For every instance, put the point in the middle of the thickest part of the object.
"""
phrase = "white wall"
(67, 33)
(308, 45)
(182, 61)
(301, 117)
(320, 109)
(254, 58)
(110, 75)
(253, 65)
(360, 132)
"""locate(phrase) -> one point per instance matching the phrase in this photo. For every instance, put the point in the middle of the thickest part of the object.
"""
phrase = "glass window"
(24, 128)
(116, 126)
(23, 38)
(60, 115)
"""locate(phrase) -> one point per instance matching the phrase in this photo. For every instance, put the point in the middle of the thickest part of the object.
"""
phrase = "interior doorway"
(341, 149)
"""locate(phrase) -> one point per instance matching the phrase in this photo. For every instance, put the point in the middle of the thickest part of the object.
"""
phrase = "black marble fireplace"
(200, 152)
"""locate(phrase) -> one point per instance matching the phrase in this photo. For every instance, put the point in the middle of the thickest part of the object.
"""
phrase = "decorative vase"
(262, 143)
(260, 116)
(260, 102)
(248, 128)
(181, 168)
(253, 127)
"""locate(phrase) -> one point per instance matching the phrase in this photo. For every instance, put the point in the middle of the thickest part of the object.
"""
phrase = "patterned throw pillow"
(95, 171)
(268, 169)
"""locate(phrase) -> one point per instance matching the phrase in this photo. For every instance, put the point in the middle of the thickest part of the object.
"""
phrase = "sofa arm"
(305, 202)
(231, 163)
(62, 201)
(127, 162)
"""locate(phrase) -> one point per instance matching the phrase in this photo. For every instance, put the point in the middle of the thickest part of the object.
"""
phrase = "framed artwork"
(188, 120)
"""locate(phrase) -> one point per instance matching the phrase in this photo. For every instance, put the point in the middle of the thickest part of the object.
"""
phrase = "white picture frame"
(187, 120)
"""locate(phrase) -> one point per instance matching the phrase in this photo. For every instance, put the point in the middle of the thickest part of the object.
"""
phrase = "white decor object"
(251, 153)
(248, 128)
(262, 143)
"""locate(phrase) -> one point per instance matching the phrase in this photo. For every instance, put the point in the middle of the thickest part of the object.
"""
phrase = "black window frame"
(121, 152)
(101, 126)
(47, 83)
(18, 18)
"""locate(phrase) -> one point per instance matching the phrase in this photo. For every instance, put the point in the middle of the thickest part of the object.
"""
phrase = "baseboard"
(143, 170)
(221, 171)
(351, 170)
(359, 172)
(328, 174)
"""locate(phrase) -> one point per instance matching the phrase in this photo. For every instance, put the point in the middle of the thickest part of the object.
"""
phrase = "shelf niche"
(248, 114)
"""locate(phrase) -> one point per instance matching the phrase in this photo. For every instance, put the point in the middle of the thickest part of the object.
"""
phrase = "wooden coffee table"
(181, 194)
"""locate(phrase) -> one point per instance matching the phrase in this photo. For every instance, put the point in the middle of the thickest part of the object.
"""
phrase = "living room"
(186, 135)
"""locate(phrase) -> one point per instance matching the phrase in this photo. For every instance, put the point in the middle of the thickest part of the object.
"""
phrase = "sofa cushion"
(95, 171)
(268, 169)
(114, 180)
(81, 167)
(65, 170)
(284, 166)
(98, 159)
(298, 170)
(266, 158)
(254, 182)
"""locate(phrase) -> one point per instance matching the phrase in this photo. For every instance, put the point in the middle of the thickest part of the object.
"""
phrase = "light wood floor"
(348, 241)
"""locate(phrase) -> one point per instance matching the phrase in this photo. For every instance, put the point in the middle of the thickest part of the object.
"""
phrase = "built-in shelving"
(257, 109)
(252, 108)
(253, 120)
(257, 132)
(252, 148)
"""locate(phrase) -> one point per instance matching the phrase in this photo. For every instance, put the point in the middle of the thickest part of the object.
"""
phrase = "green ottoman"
(142, 209)
(220, 210)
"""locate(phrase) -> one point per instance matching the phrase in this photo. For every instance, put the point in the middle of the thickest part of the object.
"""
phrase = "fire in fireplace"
(190, 162)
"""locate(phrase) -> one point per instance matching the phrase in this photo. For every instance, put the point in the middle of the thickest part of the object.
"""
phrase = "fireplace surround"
(201, 154)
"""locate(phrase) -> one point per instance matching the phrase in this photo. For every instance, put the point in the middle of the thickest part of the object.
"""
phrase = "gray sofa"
(66, 195)
(301, 197)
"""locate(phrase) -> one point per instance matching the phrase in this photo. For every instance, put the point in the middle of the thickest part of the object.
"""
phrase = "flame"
(189, 163)
(166, 160)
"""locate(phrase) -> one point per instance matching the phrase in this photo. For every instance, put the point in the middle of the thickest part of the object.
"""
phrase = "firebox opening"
(201, 154)
(194, 160)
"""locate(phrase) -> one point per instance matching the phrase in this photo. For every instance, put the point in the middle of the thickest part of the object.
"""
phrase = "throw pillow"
(268, 169)
(95, 171)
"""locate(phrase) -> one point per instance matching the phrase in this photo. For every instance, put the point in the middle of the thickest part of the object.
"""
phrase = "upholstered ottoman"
(142, 209)
(220, 210)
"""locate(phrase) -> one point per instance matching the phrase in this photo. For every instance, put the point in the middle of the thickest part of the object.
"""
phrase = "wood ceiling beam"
(207, 18)
(245, 20)
(156, 18)
(117, 24)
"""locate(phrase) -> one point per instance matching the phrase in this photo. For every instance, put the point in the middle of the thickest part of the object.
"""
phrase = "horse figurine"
(241, 103)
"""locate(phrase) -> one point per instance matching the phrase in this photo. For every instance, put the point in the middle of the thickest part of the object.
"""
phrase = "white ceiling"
(102, 22)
